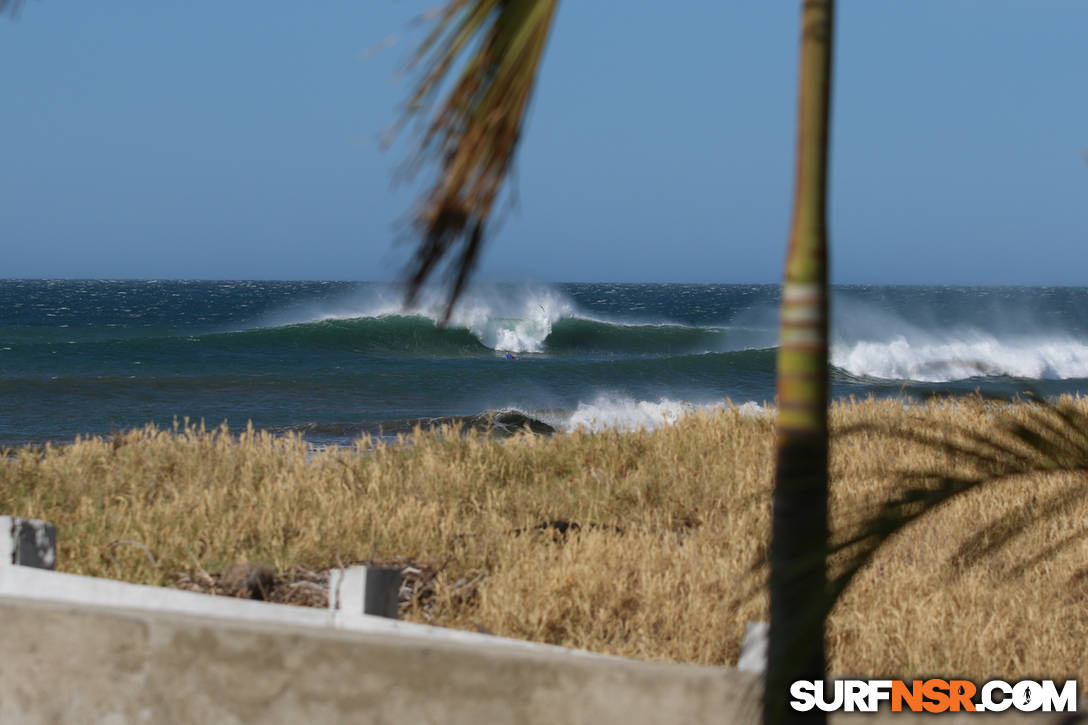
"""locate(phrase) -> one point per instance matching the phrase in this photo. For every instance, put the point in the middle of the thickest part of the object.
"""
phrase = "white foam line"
(972, 355)
(619, 413)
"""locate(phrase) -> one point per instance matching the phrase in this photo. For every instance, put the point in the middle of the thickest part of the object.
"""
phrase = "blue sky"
(240, 140)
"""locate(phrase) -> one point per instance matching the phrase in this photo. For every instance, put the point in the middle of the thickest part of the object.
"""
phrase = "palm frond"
(10, 6)
(473, 134)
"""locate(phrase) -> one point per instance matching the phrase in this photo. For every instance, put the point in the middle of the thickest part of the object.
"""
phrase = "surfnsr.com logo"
(933, 696)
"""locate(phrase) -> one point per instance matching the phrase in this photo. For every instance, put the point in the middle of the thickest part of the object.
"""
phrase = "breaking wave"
(977, 355)
(516, 320)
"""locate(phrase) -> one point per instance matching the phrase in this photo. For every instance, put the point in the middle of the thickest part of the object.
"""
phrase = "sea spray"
(501, 317)
(947, 335)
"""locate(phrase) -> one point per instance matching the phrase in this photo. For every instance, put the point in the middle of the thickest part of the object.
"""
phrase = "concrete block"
(365, 589)
(753, 650)
(27, 542)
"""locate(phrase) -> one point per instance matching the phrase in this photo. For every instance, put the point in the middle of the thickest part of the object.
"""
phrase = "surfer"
(510, 356)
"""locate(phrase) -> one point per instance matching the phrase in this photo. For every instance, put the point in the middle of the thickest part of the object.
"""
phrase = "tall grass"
(670, 523)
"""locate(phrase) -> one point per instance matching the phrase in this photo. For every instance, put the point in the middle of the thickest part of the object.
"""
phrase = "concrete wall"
(47, 586)
(83, 650)
(69, 663)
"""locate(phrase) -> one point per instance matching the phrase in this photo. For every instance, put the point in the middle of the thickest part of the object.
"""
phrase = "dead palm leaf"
(11, 6)
(473, 135)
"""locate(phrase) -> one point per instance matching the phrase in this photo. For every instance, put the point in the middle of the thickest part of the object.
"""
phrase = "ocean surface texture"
(334, 360)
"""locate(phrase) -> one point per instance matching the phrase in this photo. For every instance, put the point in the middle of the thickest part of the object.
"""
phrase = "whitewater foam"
(627, 414)
(507, 318)
(506, 321)
(975, 355)
(945, 336)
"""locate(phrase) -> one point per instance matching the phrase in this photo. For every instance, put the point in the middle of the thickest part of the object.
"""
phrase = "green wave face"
(580, 335)
(413, 336)
(416, 336)
(389, 335)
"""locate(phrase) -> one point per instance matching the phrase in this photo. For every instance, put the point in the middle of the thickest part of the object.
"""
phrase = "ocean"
(336, 360)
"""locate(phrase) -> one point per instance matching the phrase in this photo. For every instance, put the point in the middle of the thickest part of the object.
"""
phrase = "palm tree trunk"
(798, 579)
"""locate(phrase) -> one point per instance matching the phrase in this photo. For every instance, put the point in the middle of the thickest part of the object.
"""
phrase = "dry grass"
(670, 524)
